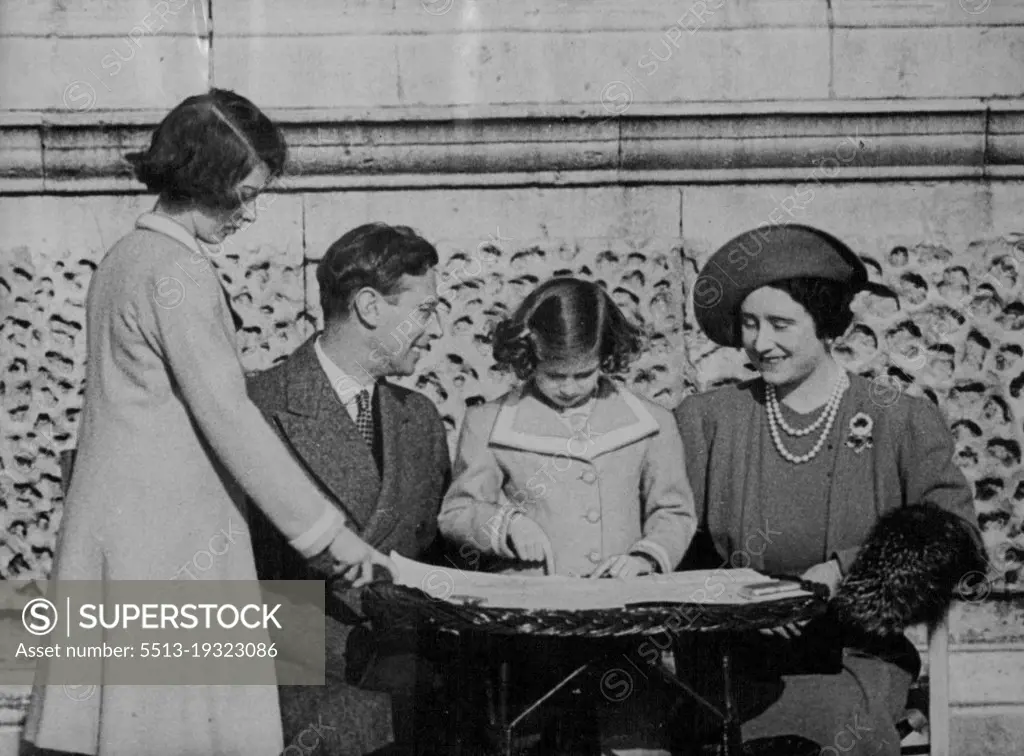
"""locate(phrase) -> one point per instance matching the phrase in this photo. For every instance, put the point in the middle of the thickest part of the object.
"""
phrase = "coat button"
(594, 556)
(588, 476)
(593, 516)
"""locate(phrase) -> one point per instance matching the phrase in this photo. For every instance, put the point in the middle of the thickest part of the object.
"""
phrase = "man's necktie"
(364, 420)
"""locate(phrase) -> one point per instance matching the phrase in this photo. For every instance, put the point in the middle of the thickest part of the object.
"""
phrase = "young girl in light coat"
(570, 474)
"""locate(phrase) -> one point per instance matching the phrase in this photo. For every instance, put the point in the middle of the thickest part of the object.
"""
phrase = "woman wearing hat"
(794, 473)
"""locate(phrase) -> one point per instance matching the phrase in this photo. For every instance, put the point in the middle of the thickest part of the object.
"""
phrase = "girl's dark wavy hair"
(206, 146)
(563, 318)
(827, 302)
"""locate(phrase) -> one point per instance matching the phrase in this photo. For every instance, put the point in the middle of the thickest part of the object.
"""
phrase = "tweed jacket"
(616, 487)
(393, 509)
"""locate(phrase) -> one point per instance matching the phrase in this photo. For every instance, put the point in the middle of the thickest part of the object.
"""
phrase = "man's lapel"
(323, 434)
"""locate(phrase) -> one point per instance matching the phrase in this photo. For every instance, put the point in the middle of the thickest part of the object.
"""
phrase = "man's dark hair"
(374, 255)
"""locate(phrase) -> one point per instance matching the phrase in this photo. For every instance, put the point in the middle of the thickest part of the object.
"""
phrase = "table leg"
(461, 736)
(732, 739)
(509, 727)
(456, 689)
(504, 675)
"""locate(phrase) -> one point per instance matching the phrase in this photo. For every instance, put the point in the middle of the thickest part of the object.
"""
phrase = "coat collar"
(525, 422)
(324, 435)
(167, 226)
(309, 390)
(347, 387)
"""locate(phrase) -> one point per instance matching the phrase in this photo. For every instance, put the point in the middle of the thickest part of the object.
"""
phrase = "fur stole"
(912, 566)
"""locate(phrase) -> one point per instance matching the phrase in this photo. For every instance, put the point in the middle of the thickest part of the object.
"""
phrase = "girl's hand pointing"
(530, 543)
(623, 566)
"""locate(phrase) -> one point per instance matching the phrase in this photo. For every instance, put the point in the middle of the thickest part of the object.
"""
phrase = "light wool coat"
(166, 427)
(615, 487)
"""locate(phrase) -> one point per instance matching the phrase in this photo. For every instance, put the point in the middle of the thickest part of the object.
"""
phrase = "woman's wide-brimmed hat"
(763, 256)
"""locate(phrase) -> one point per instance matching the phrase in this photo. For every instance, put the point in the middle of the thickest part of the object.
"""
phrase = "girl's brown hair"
(206, 146)
(562, 318)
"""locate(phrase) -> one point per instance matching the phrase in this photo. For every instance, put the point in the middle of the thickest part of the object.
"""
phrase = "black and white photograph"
(537, 378)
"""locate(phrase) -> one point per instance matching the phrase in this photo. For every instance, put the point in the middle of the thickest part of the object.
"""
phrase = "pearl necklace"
(828, 416)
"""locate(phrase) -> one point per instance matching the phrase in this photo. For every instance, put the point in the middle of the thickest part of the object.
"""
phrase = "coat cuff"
(321, 534)
(499, 533)
(655, 551)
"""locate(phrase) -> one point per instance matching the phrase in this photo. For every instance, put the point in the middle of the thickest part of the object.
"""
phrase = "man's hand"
(354, 559)
(623, 566)
(530, 543)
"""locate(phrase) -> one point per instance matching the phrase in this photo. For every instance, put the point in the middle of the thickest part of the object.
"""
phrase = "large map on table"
(720, 586)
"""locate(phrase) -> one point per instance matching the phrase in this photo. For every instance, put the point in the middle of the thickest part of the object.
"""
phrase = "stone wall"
(409, 53)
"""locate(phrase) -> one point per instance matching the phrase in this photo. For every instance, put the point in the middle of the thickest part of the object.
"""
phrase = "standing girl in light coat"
(569, 474)
(168, 429)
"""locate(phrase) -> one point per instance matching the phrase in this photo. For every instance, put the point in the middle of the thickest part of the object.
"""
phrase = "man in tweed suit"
(381, 452)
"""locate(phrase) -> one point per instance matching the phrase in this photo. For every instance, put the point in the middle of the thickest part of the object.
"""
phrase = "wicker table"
(725, 620)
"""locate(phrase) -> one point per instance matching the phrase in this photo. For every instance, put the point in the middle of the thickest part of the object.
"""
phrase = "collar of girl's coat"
(527, 423)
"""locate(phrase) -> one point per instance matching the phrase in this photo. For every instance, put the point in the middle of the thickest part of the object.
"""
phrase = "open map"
(719, 586)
